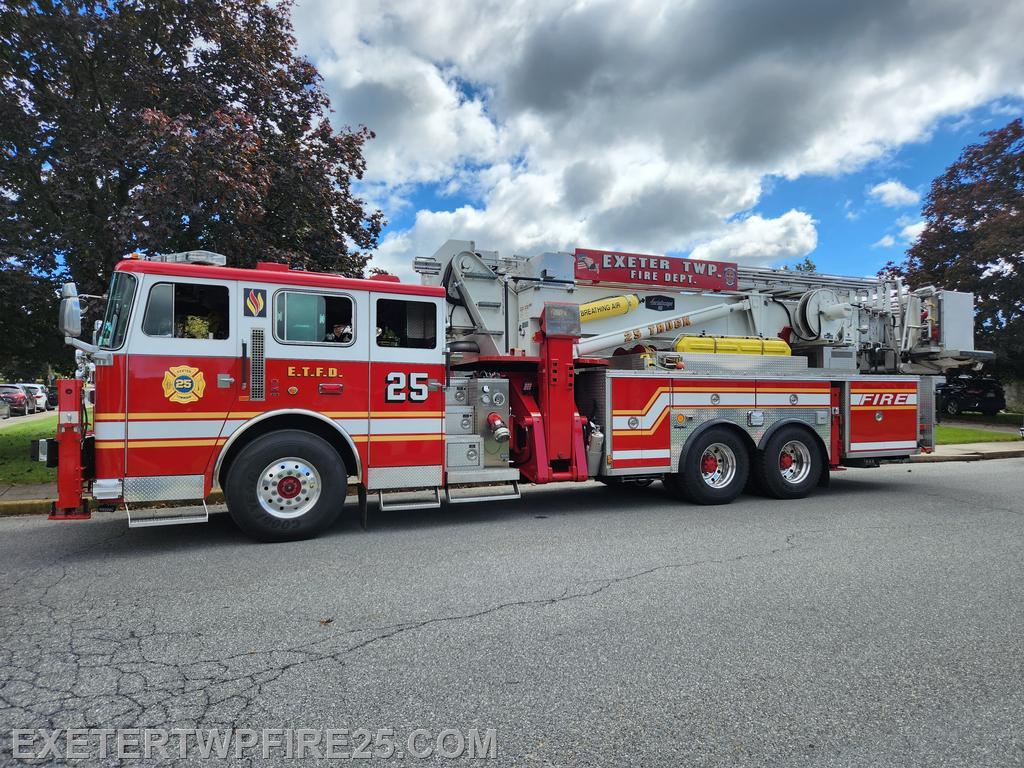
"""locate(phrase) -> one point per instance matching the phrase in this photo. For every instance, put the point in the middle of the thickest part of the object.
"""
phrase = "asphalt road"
(880, 622)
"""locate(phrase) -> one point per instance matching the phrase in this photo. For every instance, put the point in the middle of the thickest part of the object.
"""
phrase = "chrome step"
(145, 518)
(433, 503)
(514, 494)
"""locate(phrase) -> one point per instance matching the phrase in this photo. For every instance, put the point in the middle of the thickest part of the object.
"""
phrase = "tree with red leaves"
(974, 240)
(167, 125)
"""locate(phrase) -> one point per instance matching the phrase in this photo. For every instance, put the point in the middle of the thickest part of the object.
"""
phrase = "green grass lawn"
(16, 468)
(1004, 418)
(946, 435)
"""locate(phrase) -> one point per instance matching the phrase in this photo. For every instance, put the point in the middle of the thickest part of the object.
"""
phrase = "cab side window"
(313, 318)
(187, 311)
(408, 324)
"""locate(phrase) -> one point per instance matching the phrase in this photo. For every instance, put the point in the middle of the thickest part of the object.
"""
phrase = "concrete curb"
(1001, 453)
(42, 506)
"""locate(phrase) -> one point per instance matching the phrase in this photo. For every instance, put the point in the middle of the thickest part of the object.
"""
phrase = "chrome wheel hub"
(795, 462)
(718, 465)
(288, 487)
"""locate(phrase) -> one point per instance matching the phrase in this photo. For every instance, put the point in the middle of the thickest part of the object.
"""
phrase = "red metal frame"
(70, 428)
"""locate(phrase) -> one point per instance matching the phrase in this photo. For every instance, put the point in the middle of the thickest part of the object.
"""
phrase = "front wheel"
(952, 407)
(790, 465)
(714, 470)
(286, 486)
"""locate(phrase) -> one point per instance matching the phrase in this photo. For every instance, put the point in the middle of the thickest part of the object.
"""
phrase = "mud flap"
(362, 506)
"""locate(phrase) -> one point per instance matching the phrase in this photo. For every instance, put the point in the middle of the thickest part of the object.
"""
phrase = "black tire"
(714, 468)
(951, 407)
(293, 460)
(791, 463)
(990, 413)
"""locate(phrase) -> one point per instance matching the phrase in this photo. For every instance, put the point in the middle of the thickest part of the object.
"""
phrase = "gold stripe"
(168, 416)
(787, 390)
(883, 408)
(403, 438)
(184, 443)
(857, 391)
(730, 390)
(650, 403)
(210, 415)
(642, 432)
(406, 414)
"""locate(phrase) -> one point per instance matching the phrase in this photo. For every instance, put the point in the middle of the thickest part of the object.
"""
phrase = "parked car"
(970, 393)
(51, 397)
(37, 393)
(5, 409)
(18, 399)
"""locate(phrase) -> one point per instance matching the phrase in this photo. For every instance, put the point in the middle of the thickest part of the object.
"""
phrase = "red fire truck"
(286, 388)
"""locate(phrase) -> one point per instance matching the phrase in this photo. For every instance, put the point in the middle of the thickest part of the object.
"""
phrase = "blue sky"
(850, 222)
(746, 131)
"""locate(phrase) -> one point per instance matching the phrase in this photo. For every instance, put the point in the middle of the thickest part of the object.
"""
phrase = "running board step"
(145, 518)
(513, 494)
(433, 503)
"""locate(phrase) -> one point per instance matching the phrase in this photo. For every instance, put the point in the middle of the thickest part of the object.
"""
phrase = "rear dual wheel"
(790, 465)
(718, 465)
(713, 471)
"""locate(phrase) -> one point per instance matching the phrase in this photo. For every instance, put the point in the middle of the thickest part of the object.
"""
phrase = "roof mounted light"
(426, 265)
(208, 258)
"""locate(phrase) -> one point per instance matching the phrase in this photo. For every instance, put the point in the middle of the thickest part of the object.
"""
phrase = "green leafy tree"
(162, 125)
(974, 240)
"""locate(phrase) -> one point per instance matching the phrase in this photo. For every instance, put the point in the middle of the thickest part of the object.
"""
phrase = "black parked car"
(970, 393)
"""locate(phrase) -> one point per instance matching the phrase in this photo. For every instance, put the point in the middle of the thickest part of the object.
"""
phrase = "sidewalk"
(972, 452)
(35, 499)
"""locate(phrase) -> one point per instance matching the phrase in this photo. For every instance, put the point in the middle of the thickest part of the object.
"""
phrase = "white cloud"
(630, 123)
(911, 232)
(756, 240)
(885, 241)
(894, 194)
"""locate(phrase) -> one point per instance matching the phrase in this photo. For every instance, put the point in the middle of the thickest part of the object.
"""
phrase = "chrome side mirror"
(70, 321)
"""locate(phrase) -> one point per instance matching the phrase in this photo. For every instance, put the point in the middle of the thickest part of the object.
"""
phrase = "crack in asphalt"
(71, 659)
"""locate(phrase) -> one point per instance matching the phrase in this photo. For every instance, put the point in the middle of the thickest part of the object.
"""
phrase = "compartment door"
(881, 417)
(641, 411)
(184, 377)
(406, 441)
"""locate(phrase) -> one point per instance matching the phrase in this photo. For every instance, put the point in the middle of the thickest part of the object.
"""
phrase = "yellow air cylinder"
(611, 307)
(733, 345)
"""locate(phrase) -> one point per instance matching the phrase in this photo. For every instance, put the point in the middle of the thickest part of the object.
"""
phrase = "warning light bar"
(208, 258)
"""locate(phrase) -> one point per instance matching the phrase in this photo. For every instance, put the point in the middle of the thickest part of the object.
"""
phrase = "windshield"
(119, 306)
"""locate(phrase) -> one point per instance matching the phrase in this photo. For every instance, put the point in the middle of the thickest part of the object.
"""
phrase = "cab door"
(406, 441)
(183, 378)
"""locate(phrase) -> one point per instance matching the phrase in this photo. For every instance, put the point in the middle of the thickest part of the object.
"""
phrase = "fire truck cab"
(273, 384)
(286, 388)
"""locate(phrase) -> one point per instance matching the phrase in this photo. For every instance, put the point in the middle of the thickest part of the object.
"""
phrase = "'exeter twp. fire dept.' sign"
(635, 268)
